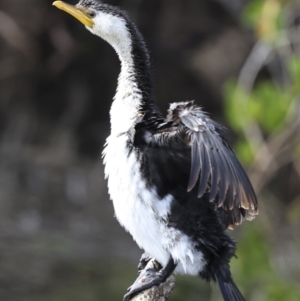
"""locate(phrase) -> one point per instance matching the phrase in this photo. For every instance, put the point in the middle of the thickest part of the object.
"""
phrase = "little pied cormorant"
(175, 183)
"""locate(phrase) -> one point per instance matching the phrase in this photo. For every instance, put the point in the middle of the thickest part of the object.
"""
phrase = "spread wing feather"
(195, 163)
(214, 166)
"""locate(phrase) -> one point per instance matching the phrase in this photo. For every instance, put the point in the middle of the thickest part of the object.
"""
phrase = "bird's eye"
(92, 14)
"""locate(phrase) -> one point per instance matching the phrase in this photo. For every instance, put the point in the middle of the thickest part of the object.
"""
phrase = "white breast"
(142, 213)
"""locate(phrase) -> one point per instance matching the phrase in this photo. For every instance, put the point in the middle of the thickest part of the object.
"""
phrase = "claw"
(143, 261)
(151, 275)
(147, 273)
(129, 288)
(147, 278)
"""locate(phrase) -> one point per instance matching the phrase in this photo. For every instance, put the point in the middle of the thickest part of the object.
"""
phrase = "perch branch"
(156, 293)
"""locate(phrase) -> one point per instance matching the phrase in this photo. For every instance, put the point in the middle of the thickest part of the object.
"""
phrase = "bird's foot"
(148, 277)
(144, 261)
(152, 275)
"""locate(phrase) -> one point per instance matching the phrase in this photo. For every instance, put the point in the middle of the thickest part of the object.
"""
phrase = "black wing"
(189, 149)
(214, 166)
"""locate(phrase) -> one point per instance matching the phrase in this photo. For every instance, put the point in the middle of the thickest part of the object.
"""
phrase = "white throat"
(125, 107)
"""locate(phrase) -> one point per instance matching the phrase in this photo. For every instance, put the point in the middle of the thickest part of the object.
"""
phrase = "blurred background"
(239, 60)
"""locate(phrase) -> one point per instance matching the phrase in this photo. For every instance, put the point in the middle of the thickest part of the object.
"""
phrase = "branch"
(156, 293)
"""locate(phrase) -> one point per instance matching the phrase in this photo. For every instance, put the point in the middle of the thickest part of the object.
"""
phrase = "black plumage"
(188, 146)
(187, 156)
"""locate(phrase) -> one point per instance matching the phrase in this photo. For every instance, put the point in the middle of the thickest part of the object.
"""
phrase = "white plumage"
(142, 213)
(137, 208)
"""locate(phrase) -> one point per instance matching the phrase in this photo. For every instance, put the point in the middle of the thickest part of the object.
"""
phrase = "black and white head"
(106, 21)
(114, 26)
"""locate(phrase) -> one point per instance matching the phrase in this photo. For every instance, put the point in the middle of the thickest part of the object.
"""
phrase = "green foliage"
(244, 151)
(252, 13)
(266, 108)
(253, 264)
(265, 17)
(280, 290)
(267, 105)
(236, 107)
(255, 270)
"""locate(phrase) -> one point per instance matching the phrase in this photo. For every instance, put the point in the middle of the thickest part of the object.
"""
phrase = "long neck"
(134, 97)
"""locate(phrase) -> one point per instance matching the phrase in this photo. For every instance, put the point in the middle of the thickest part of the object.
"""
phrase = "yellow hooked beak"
(76, 12)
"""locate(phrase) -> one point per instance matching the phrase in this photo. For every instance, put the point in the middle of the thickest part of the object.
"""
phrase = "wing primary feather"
(224, 182)
(224, 179)
(247, 196)
(234, 187)
(215, 175)
(195, 163)
(240, 184)
(222, 170)
(214, 164)
(205, 170)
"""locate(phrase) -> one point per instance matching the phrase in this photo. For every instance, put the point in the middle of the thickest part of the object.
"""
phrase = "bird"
(175, 183)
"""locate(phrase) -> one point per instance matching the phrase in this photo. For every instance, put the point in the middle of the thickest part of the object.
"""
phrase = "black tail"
(229, 290)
